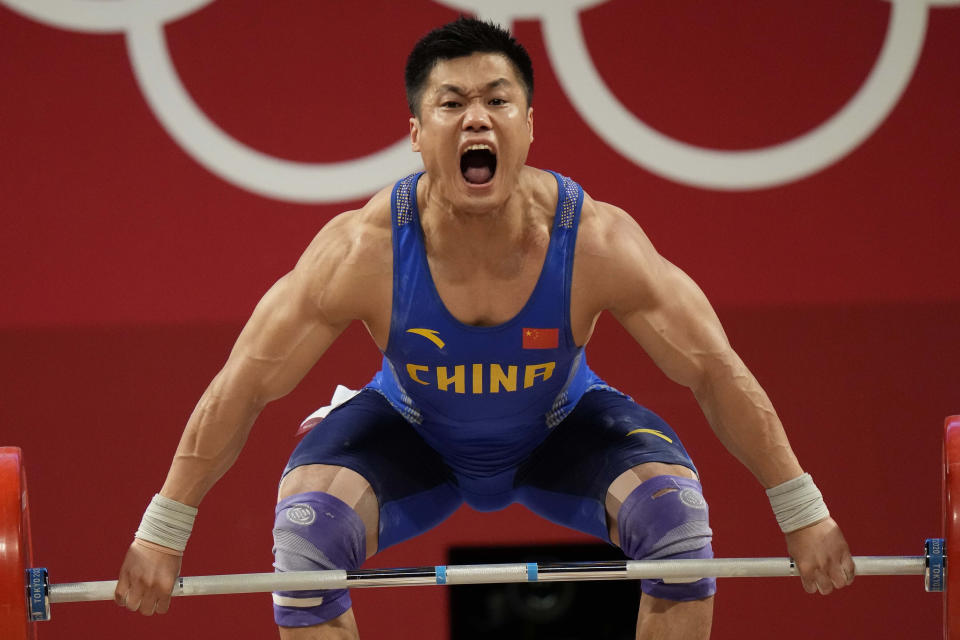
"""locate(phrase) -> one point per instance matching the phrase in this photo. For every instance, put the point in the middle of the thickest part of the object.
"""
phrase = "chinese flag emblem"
(541, 338)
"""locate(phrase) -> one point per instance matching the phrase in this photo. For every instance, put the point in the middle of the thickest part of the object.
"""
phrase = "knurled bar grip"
(669, 570)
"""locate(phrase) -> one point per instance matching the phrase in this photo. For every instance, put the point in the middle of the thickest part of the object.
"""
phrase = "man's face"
(474, 129)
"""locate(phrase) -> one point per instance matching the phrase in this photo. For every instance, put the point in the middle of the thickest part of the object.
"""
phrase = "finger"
(838, 575)
(148, 606)
(849, 568)
(133, 603)
(815, 581)
(163, 605)
(120, 594)
(132, 598)
(824, 586)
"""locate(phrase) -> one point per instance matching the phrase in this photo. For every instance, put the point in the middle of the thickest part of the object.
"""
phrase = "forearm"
(743, 418)
(211, 442)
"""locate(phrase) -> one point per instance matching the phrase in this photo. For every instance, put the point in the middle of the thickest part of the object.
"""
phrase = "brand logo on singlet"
(653, 432)
(481, 377)
(430, 334)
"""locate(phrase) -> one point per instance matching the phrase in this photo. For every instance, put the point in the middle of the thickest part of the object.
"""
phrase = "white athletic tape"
(167, 522)
(797, 503)
(302, 603)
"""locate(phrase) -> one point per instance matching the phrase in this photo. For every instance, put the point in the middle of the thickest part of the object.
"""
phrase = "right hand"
(146, 580)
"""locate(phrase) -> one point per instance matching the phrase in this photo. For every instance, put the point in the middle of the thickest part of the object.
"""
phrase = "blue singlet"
(486, 415)
(483, 397)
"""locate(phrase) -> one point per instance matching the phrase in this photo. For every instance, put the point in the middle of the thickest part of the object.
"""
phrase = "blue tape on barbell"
(532, 571)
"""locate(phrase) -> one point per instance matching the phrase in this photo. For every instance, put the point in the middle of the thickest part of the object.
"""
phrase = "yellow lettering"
(478, 378)
(412, 372)
(534, 370)
(501, 377)
(497, 378)
(459, 376)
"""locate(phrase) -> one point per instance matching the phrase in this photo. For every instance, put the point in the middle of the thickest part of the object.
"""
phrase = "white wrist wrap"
(797, 503)
(167, 522)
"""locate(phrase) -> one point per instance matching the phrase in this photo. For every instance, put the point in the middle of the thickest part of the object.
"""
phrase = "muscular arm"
(284, 337)
(669, 316)
(291, 327)
(345, 274)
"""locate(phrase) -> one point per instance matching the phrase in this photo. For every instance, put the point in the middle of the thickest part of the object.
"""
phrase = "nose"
(476, 117)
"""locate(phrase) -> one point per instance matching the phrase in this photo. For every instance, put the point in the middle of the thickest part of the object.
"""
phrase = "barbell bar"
(26, 593)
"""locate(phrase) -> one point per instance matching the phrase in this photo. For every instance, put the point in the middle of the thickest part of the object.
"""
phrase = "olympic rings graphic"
(142, 21)
(708, 168)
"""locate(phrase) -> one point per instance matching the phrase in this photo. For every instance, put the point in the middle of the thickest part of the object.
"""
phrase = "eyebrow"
(460, 91)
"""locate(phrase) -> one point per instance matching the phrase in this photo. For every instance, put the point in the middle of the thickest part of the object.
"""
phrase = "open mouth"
(478, 164)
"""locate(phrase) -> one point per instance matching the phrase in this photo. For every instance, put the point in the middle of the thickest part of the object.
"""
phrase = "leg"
(342, 628)
(661, 619)
(360, 482)
(664, 519)
(340, 482)
(311, 484)
(591, 466)
(626, 482)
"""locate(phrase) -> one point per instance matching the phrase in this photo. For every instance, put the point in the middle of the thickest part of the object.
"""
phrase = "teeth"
(478, 147)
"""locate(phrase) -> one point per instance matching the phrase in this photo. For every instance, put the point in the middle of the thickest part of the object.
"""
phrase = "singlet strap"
(404, 200)
(571, 197)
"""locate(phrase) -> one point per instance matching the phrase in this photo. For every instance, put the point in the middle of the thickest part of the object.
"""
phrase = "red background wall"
(127, 270)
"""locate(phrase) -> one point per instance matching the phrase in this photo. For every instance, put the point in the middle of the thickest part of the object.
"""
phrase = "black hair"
(463, 37)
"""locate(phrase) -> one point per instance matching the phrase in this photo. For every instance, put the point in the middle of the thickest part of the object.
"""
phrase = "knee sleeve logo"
(693, 499)
(302, 514)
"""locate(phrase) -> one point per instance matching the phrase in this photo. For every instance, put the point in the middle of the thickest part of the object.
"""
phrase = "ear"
(414, 134)
(530, 121)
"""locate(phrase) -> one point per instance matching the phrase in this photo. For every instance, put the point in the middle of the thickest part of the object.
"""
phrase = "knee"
(315, 531)
(667, 517)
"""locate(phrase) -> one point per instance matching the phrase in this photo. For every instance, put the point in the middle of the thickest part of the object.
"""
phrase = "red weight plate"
(951, 525)
(15, 552)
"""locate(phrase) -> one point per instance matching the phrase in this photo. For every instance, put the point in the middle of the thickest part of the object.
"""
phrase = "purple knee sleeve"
(315, 531)
(666, 517)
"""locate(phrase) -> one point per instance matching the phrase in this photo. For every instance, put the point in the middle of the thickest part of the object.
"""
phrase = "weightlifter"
(481, 280)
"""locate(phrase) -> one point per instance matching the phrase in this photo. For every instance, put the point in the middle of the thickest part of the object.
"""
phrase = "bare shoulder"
(615, 267)
(351, 255)
(353, 237)
(613, 254)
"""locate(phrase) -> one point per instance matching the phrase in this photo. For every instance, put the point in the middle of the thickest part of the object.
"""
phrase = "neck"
(484, 231)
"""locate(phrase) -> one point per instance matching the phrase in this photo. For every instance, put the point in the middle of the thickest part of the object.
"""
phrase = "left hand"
(822, 557)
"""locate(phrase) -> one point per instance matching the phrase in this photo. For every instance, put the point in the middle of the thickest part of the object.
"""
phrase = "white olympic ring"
(142, 21)
(694, 166)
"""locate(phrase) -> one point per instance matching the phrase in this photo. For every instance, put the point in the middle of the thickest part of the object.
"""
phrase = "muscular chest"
(486, 293)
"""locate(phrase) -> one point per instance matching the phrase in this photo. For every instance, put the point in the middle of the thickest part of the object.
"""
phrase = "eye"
(497, 102)
(450, 104)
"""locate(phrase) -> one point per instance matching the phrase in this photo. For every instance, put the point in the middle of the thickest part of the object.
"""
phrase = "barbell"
(26, 592)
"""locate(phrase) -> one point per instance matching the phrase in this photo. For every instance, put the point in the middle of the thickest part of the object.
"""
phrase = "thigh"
(568, 477)
(366, 443)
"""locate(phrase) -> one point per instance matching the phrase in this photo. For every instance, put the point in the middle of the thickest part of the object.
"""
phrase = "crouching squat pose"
(481, 280)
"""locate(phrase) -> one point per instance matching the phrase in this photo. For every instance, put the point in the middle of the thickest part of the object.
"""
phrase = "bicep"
(670, 317)
(284, 337)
